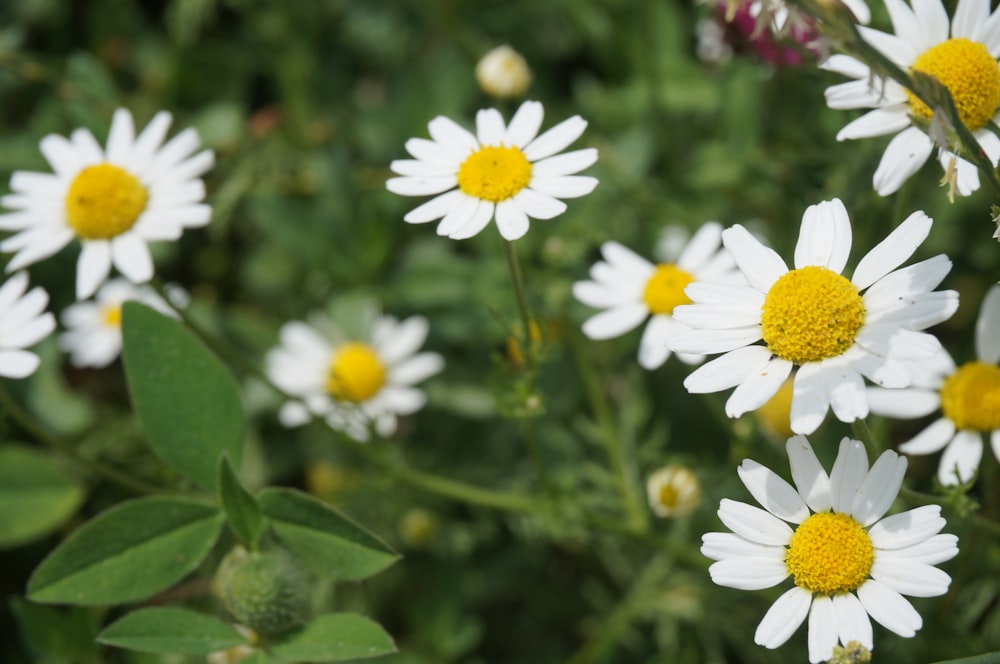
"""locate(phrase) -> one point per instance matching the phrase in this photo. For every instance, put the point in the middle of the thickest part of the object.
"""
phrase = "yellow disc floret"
(971, 75)
(811, 314)
(829, 553)
(112, 315)
(494, 173)
(356, 373)
(104, 201)
(970, 397)
(665, 289)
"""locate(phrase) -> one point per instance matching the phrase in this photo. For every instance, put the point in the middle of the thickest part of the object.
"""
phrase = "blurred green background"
(305, 103)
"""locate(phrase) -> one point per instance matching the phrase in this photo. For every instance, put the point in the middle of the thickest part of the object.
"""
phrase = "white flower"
(966, 64)
(777, 14)
(673, 491)
(114, 200)
(501, 172)
(93, 336)
(503, 72)
(23, 323)
(967, 396)
(814, 318)
(846, 560)
(351, 384)
(631, 289)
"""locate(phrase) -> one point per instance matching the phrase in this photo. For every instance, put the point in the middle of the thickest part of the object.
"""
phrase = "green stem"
(520, 294)
(621, 466)
(449, 488)
(28, 423)
(863, 433)
(921, 498)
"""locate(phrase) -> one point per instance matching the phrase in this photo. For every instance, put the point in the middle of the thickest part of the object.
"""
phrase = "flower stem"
(28, 423)
(618, 453)
(863, 433)
(520, 294)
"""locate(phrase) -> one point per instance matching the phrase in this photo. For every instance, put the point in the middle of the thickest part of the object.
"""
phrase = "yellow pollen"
(494, 173)
(669, 495)
(356, 373)
(104, 201)
(811, 314)
(829, 553)
(665, 289)
(970, 397)
(112, 315)
(971, 75)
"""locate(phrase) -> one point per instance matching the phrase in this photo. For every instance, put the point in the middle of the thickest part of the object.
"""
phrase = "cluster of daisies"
(801, 328)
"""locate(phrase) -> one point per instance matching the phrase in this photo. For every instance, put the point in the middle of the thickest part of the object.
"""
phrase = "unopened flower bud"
(673, 491)
(503, 73)
(266, 591)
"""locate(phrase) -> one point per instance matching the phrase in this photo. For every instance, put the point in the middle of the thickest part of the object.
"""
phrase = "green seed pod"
(265, 591)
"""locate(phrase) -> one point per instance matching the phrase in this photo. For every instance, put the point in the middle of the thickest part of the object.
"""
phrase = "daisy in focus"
(93, 336)
(965, 62)
(23, 323)
(848, 563)
(631, 290)
(352, 384)
(508, 173)
(967, 396)
(814, 318)
(114, 200)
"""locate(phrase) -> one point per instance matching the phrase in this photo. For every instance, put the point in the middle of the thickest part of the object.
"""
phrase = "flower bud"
(266, 591)
(503, 73)
(673, 491)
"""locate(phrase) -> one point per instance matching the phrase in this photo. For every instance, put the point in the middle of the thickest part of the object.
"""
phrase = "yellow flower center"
(811, 314)
(112, 315)
(104, 201)
(668, 496)
(970, 397)
(494, 173)
(665, 289)
(971, 75)
(356, 373)
(829, 553)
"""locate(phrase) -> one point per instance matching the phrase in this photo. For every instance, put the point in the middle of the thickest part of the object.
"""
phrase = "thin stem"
(614, 446)
(449, 488)
(28, 423)
(863, 433)
(520, 294)
(921, 498)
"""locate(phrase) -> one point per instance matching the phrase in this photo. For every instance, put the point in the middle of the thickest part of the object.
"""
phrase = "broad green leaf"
(987, 658)
(328, 542)
(260, 657)
(171, 630)
(241, 509)
(186, 400)
(128, 553)
(36, 496)
(57, 633)
(334, 637)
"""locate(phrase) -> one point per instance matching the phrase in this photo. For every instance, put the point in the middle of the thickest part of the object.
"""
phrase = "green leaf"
(334, 637)
(36, 496)
(241, 509)
(186, 400)
(171, 630)
(128, 553)
(57, 633)
(328, 542)
(988, 658)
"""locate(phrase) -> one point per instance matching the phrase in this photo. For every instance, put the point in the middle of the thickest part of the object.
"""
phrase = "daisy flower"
(966, 63)
(502, 173)
(93, 336)
(113, 200)
(351, 384)
(23, 323)
(631, 290)
(814, 318)
(967, 396)
(778, 14)
(846, 560)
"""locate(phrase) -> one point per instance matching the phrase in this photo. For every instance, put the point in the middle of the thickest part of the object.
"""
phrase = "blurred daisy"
(967, 396)
(502, 173)
(846, 560)
(814, 318)
(966, 64)
(352, 384)
(93, 336)
(631, 290)
(673, 491)
(778, 14)
(114, 200)
(23, 323)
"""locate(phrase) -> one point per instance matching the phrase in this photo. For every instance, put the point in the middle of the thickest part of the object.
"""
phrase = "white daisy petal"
(995, 443)
(773, 493)
(757, 388)
(627, 261)
(907, 529)
(566, 186)
(911, 578)
(848, 474)
(416, 369)
(120, 137)
(728, 370)
(555, 139)
(713, 341)
(889, 609)
(852, 620)
(810, 399)
(92, 268)
(18, 363)
(615, 321)
(753, 523)
(934, 550)
(879, 122)
(703, 246)
(512, 222)
(811, 481)
(420, 186)
(931, 439)
(961, 458)
(448, 132)
(890, 253)
(653, 350)
(724, 546)
(760, 265)
(566, 163)
(988, 327)
(903, 157)
(435, 208)
(29, 333)
(131, 256)
(825, 237)
(783, 618)
(822, 629)
(479, 220)
(880, 488)
(461, 212)
(748, 573)
(594, 294)
(525, 124)
(906, 403)
(489, 127)
(539, 206)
